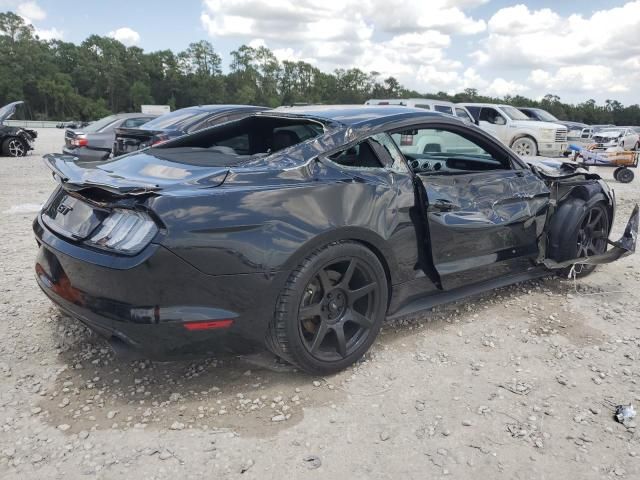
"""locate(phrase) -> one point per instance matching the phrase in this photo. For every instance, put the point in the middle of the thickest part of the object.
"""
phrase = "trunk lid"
(138, 174)
(129, 140)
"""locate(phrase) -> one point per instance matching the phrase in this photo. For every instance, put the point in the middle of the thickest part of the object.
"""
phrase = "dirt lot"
(519, 384)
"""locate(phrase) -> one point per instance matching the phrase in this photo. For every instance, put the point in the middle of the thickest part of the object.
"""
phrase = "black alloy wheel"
(592, 237)
(337, 309)
(593, 233)
(331, 309)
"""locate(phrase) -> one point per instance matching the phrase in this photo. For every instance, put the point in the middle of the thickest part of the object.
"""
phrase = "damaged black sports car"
(302, 229)
(14, 141)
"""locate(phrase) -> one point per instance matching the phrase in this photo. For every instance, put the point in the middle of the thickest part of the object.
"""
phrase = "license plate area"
(71, 217)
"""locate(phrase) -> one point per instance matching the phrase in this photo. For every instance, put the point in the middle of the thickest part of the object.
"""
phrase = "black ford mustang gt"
(304, 228)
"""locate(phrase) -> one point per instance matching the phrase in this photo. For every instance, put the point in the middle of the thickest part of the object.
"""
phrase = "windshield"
(98, 125)
(178, 120)
(546, 116)
(610, 132)
(513, 113)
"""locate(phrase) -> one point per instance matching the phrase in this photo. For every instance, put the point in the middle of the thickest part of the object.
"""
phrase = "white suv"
(526, 137)
(441, 106)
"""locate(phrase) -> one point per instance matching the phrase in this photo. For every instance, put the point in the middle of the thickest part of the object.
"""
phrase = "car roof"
(355, 115)
(412, 100)
(135, 114)
(465, 104)
(220, 108)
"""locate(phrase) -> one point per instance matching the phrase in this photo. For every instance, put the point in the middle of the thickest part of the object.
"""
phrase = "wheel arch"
(565, 216)
(363, 236)
(518, 136)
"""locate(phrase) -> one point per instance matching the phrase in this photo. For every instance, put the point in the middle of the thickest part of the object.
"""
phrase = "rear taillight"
(126, 231)
(158, 139)
(79, 141)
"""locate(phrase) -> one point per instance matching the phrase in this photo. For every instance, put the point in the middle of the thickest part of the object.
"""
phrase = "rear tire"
(14, 147)
(331, 309)
(625, 175)
(581, 230)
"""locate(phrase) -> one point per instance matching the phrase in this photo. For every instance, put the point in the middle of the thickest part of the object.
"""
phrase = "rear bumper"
(154, 304)
(87, 154)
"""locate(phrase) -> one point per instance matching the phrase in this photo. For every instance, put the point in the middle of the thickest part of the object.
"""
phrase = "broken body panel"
(247, 220)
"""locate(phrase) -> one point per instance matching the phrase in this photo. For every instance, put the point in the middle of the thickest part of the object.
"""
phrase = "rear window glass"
(101, 124)
(443, 109)
(178, 120)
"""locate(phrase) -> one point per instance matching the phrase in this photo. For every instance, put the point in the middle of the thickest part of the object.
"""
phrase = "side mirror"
(500, 120)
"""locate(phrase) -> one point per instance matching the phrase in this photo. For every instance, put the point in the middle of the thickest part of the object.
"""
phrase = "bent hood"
(138, 174)
(535, 124)
(8, 110)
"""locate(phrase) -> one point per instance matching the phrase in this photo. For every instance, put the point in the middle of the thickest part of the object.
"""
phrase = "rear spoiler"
(136, 131)
(74, 178)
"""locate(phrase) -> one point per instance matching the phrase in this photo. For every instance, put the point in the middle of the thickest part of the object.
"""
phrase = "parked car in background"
(14, 141)
(302, 229)
(95, 141)
(574, 129)
(175, 124)
(72, 124)
(525, 136)
(613, 137)
(441, 106)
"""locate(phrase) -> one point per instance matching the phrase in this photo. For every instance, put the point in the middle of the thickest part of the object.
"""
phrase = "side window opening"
(437, 151)
(462, 114)
(135, 122)
(444, 109)
(252, 136)
(492, 116)
(358, 156)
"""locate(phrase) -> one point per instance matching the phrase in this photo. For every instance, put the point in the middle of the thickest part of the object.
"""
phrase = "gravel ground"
(518, 384)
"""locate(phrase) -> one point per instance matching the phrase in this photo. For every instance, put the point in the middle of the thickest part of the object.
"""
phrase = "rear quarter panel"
(235, 229)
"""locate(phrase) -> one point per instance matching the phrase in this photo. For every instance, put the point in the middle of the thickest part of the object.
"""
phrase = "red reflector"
(208, 325)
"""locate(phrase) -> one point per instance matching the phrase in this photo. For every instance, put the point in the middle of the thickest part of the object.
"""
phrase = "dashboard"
(454, 163)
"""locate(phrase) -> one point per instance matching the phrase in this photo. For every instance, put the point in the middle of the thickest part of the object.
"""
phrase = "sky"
(574, 49)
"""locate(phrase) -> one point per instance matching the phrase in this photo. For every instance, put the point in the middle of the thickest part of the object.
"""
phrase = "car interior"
(358, 156)
(436, 151)
(492, 116)
(251, 137)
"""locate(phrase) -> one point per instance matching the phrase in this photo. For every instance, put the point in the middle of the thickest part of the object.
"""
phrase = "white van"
(441, 106)
(513, 128)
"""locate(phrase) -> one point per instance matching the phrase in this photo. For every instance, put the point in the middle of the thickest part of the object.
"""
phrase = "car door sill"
(440, 298)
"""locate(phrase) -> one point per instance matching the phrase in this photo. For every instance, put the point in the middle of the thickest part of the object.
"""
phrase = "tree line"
(61, 80)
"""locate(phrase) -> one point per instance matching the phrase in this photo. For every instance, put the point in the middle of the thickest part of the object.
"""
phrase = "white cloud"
(49, 33)
(520, 20)
(445, 44)
(31, 11)
(501, 87)
(521, 37)
(583, 79)
(125, 35)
